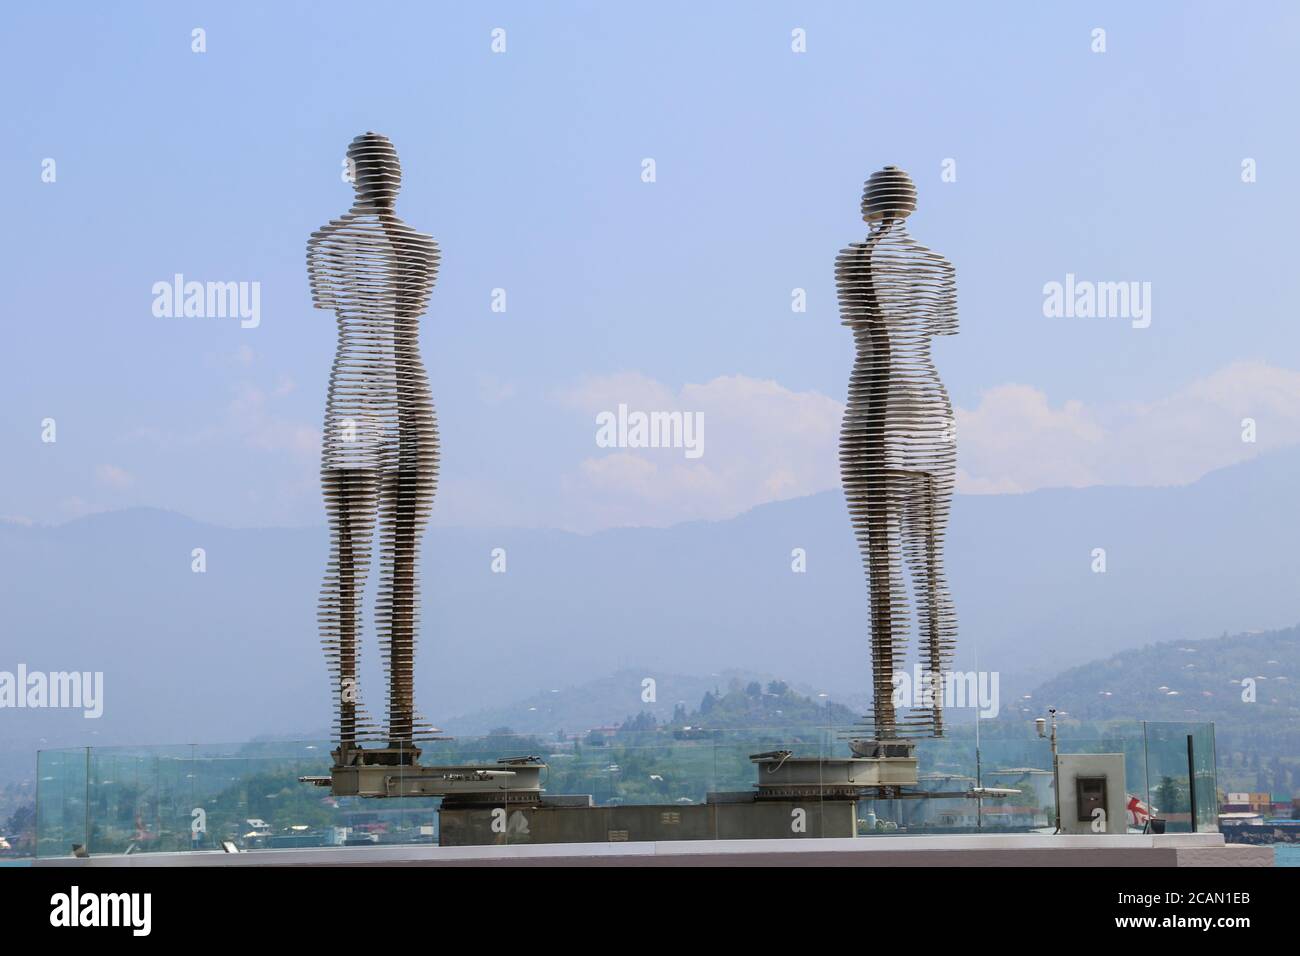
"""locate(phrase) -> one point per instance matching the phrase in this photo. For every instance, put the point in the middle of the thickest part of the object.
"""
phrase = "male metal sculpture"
(379, 457)
(897, 450)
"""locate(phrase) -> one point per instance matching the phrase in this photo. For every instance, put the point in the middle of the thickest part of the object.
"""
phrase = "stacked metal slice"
(380, 445)
(897, 446)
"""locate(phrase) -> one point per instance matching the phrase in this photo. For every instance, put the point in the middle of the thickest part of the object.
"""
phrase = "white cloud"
(604, 392)
(762, 442)
(251, 417)
(765, 442)
(113, 476)
(494, 391)
(254, 434)
(1014, 440)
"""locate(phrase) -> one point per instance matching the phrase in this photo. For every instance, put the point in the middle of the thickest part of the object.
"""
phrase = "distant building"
(925, 813)
(1240, 802)
(1020, 818)
(1026, 778)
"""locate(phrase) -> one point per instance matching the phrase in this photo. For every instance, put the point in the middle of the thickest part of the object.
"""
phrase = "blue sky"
(525, 166)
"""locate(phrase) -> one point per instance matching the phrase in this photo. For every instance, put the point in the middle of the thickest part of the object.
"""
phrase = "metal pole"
(1191, 779)
(1056, 773)
(87, 798)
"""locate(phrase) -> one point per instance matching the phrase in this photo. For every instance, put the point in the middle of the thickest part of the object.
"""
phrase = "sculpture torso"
(895, 294)
(376, 273)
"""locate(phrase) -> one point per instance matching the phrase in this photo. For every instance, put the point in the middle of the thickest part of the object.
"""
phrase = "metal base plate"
(782, 775)
(501, 782)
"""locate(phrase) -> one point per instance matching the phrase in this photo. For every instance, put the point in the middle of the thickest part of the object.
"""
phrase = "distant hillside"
(1189, 680)
(771, 705)
(1257, 742)
(233, 653)
(677, 699)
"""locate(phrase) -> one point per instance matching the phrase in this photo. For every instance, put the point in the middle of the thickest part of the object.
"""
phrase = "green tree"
(1168, 796)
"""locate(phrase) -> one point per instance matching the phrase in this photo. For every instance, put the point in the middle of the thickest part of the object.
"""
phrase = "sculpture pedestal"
(516, 780)
(782, 776)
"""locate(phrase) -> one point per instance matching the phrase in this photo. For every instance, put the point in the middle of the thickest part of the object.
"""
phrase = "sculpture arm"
(945, 322)
(321, 270)
(852, 267)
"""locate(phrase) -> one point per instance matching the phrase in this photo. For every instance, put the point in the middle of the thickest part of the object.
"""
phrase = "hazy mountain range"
(233, 652)
(1247, 684)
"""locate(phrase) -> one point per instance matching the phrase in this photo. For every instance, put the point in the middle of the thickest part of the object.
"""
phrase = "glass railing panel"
(61, 809)
(661, 783)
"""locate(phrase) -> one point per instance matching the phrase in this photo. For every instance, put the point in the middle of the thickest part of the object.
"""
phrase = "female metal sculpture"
(380, 449)
(897, 454)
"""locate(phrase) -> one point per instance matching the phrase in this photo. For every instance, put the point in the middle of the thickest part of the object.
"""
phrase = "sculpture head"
(376, 173)
(888, 195)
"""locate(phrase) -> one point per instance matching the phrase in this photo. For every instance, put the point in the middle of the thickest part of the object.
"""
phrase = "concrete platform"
(1177, 849)
(725, 817)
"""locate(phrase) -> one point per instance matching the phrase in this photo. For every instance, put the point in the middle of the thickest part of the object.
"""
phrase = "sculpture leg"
(875, 504)
(351, 502)
(406, 494)
(925, 520)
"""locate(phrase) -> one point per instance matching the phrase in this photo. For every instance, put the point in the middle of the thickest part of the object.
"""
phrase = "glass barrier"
(1180, 776)
(680, 781)
(62, 810)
